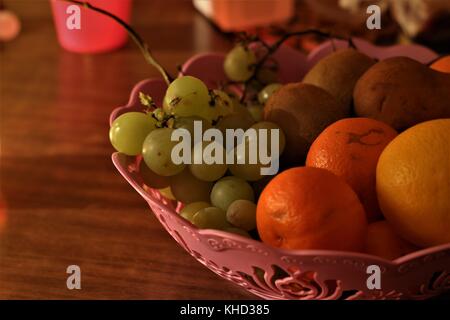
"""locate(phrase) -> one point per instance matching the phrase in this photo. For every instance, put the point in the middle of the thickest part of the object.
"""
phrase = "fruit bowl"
(273, 273)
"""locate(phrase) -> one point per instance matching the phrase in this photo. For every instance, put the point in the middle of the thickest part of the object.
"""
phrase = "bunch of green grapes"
(216, 195)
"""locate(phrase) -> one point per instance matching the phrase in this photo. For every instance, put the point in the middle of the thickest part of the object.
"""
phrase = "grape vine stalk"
(270, 49)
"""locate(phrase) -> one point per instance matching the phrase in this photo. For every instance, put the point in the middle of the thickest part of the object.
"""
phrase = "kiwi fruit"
(402, 93)
(302, 111)
(339, 72)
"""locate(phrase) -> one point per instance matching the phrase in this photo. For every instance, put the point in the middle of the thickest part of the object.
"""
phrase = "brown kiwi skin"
(302, 111)
(402, 93)
(338, 73)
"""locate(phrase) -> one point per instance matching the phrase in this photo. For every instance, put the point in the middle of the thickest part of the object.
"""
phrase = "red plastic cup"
(97, 33)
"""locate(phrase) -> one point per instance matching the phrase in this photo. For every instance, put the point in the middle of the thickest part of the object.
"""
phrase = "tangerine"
(350, 148)
(384, 242)
(311, 208)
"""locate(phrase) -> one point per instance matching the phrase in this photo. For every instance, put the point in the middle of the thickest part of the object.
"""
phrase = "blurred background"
(422, 21)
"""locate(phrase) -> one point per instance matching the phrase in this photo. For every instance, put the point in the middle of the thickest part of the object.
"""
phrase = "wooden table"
(65, 204)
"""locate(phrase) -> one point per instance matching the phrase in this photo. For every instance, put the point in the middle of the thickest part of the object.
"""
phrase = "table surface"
(65, 204)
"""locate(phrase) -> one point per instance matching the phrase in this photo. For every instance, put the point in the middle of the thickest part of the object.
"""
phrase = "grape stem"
(271, 49)
(143, 46)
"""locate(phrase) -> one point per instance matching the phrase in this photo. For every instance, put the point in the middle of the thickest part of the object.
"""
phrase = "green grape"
(246, 170)
(211, 218)
(191, 209)
(223, 104)
(167, 193)
(271, 126)
(151, 179)
(238, 231)
(239, 64)
(188, 189)
(267, 91)
(188, 124)
(207, 170)
(256, 111)
(244, 166)
(234, 121)
(242, 214)
(166, 108)
(242, 120)
(157, 152)
(229, 189)
(187, 96)
(128, 132)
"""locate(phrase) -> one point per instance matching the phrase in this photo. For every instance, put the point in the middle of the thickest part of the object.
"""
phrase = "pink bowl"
(273, 273)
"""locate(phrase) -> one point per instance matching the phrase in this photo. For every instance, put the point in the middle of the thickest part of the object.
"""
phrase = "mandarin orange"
(350, 148)
(311, 208)
(384, 242)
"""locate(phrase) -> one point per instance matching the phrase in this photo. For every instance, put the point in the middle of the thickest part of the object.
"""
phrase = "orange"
(382, 241)
(413, 183)
(442, 64)
(311, 208)
(350, 149)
